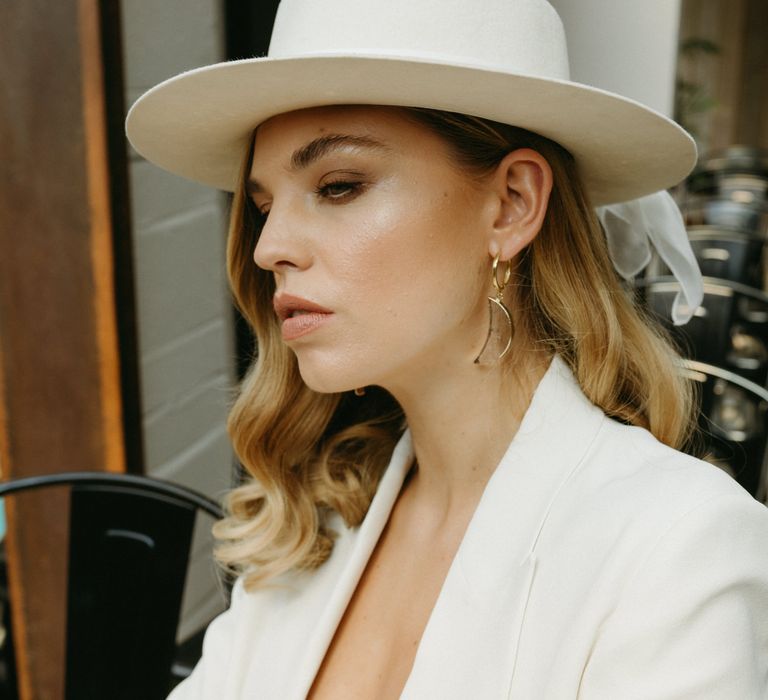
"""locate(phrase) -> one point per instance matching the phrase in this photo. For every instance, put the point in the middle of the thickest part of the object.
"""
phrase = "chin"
(334, 370)
(326, 382)
(326, 388)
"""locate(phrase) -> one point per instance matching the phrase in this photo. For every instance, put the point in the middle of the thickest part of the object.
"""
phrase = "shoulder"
(629, 491)
(632, 496)
(615, 490)
(628, 464)
(685, 551)
(621, 463)
(624, 474)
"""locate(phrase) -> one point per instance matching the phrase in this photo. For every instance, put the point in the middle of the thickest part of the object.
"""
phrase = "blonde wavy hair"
(310, 454)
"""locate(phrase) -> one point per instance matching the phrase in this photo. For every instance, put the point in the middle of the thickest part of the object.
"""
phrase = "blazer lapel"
(344, 586)
(478, 617)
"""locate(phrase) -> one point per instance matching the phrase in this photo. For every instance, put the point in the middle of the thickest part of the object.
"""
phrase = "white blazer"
(599, 565)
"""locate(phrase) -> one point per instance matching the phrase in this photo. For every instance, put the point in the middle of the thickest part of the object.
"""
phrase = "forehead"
(284, 133)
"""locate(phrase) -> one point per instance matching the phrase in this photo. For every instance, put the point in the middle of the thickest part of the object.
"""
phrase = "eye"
(260, 211)
(340, 190)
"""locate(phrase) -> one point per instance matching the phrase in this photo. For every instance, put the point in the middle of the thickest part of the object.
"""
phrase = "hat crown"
(515, 36)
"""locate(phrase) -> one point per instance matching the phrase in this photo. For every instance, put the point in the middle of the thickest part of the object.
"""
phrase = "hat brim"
(198, 124)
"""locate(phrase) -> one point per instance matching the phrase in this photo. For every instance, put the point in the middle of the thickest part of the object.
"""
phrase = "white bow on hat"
(631, 228)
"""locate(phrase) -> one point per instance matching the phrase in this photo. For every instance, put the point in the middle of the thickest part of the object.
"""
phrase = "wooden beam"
(60, 400)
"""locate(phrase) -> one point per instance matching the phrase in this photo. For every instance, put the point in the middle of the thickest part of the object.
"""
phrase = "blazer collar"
(351, 569)
(479, 612)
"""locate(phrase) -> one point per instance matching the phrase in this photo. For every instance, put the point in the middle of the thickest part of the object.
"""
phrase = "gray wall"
(184, 314)
(624, 47)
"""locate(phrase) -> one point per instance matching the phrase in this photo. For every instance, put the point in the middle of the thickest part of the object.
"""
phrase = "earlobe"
(522, 183)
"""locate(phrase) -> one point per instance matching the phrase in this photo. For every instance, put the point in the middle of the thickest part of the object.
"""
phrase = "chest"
(373, 649)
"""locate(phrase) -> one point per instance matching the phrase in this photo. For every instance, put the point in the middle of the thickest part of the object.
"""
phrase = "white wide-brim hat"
(504, 60)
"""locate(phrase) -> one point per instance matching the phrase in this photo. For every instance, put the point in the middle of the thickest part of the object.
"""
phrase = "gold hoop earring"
(501, 329)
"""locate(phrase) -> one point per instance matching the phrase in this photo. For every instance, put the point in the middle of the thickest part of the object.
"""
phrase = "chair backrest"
(729, 329)
(129, 546)
(734, 424)
(707, 336)
(722, 253)
(750, 217)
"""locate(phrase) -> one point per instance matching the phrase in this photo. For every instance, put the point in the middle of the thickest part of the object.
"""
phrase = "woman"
(532, 532)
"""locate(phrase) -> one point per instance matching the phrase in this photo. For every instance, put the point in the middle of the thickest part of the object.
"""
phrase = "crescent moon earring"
(501, 329)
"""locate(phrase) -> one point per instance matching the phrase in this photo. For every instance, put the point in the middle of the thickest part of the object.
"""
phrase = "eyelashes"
(339, 191)
(334, 192)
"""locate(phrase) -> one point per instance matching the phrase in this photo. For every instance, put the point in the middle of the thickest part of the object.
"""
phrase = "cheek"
(419, 264)
(383, 245)
(416, 232)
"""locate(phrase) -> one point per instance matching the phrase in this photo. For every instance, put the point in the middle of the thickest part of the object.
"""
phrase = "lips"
(299, 316)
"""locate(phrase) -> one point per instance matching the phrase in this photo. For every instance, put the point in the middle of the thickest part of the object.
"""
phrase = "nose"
(281, 245)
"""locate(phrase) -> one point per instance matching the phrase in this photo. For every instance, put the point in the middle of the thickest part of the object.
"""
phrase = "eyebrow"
(314, 150)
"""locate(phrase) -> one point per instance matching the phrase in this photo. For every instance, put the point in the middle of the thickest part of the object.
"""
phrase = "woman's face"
(377, 243)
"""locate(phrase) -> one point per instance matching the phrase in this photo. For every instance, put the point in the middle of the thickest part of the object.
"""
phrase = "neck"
(462, 421)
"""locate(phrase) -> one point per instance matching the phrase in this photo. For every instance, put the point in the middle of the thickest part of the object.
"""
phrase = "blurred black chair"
(737, 172)
(729, 329)
(751, 217)
(722, 253)
(706, 336)
(734, 424)
(129, 546)
(728, 254)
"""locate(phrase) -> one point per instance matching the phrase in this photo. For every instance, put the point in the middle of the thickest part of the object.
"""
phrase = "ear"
(522, 183)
